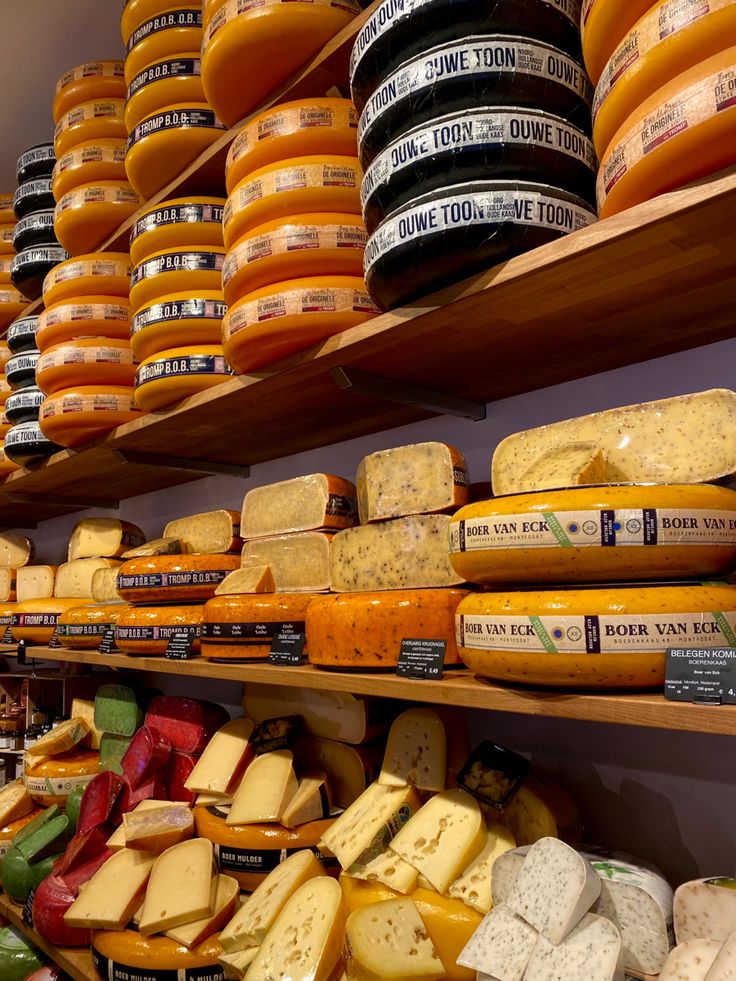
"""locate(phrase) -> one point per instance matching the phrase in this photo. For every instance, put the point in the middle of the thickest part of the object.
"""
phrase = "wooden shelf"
(459, 688)
(76, 961)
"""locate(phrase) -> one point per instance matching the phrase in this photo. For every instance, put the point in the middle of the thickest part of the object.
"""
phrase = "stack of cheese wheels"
(6, 465)
(177, 301)
(12, 300)
(391, 572)
(33, 237)
(473, 136)
(592, 580)
(293, 231)
(287, 528)
(86, 367)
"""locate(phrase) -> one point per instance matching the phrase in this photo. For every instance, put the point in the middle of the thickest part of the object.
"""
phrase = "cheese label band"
(291, 179)
(110, 970)
(91, 154)
(85, 355)
(70, 313)
(157, 580)
(164, 69)
(40, 187)
(56, 406)
(194, 309)
(174, 119)
(263, 859)
(280, 122)
(293, 238)
(35, 619)
(33, 222)
(81, 196)
(91, 69)
(164, 22)
(295, 302)
(52, 254)
(196, 364)
(176, 262)
(178, 214)
(249, 634)
(55, 786)
(97, 267)
(29, 433)
(88, 111)
(82, 629)
(234, 8)
(40, 154)
(617, 867)
(156, 632)
(380, 841)
(573, 529)
(595, 634)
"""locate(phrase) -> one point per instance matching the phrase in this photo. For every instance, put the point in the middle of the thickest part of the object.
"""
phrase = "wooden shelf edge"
(76, 961)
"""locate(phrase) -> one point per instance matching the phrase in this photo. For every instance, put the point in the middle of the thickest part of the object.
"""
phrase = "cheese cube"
(691, 961)
(106, 537)
(266, 789)
(705, 909)
(74, 579)
(443, 837)
(501, 946)
(15, 803)
(568, 465)
(157, 829)
(388, 869)
(390, 941)
(299, 563)
(554, 889)
(113, 893)
(225, 757)
(248, 579)
(227, 896)
(416, 751)
(7, 585)
(35, 582)
(105, 586)
(330, 714)
(319, 501)
(312, 801)
(15, 550)
(181, 888)
(591, 952)
(474, 886)
(207, 533)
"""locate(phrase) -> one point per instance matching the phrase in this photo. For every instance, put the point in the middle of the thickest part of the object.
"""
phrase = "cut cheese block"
(87, 215)
(172, 375)
(84, 709)
(105, 586)
(725, 963)
(680, 133)
(15, 550)
(501, 947)
(274, 39)
(161, 84)
(236, 965)
(392, 931)
(173, 578)
(174, 270)
(62, 738)
(147, 630)
(7, 585)
(180, 221)
(604, 23)
(247, 579)
(98, 316)
(279, 320)
(387, 869)
(415, 751)
(116, 841)
(86, 361)
(547, 637)
(209, 531)
(567, 465)
(299, 562)
(224, 760)
(187, 723)
(333, 715)
(315, 502)
(350, 769)
(267, 788)
(92, 80)
(311, 802)
(691, 961)
(126, 952)
(98, 274)
(157, 546)
(15, 803)
(148, 753)
(181, 887)
(176, 29)
(227, 899)
(113, 893)
(179, 319)
(243, 626)
(109, 537)
(591, 952)
(36, 620)
(97, 119)
(117, 710)
(705, 909)
(74, 579)
(89, 163)
(156, 829)
(474, 886)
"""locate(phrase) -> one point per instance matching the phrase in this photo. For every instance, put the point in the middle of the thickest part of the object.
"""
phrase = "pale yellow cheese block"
(15, 550)
(268, 786)
(390, 941)
(227, 896)
(105, 585)
(62, 738)
(8, 585)
(224, 759)
(106, 537)
(15, 803)
(35, 582)
(416, 751)
(207, 533)
(157, 829)
(311, 802)
(181, 889)
(83, 708)
(568, 465)
(114, 892)
(248, 579)
(474, 886)
(299, 563)
(116, 841)
(74, 578)
(309, 503)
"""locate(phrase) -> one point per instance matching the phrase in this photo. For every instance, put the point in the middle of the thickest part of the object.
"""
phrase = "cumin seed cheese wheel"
(242, 627)
(96, 274)
(74, 416)
(36, 620)
(83, 627)
(84, 316)
(179, 28)
(147, 630)
(87, 215)
(85, 361)
(176, 373)
(190, 221)
(163, 83)
(173, 578)
(93, 80)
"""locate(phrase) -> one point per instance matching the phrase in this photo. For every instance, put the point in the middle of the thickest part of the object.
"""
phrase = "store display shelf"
(459, 688)
(76, 961)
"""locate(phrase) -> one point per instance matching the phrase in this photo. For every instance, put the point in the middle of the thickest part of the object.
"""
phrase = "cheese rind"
(105, 586)
(116, 841)
(157, 829)
(173, 578)
(113, 894)
(705, 909)
(388, 869)
(300, 563)
(224, 759)
(180, 889)
(691, 961)
(415, 751)
(591, 952)
(267, 788)
(7, 585)
(311, 802)
(474, 886)
(390, 940)
(227, 896)
(103, 537)
(502, 945)
(350, 769)
(15, 550)
(15, 803)
(61, 739)
(316, 502)
(210, 531)
(74, 578)
(242, 626)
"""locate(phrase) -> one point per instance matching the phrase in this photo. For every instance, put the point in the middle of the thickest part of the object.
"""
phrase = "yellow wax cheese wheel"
(5, 263)
(88, 163)
(179, 28)
(147, 630)
(597, 534)
(97, 274)
(89, 214)
(75, 416)
(682, 132)
(175, 374)
(35, 620)
(603, 637)
(293, 129)
(173, 578)
(5, 356)
(12, 304)
(7, 231)
(176, 78)
(94, 80)
(273, 38)
(603, 24)
(177, 223)
(279, 320)
(209, 9)
(7, 212)
(137, 12)
(176, 270)
(85, 361)
(85, 316)
(163, 144)
(96, 120)
(242, 627)
(83, 627)
(297, 186)
(52, 780)
(6, 466)
(5, 388)
(177, 320)
(116, 952)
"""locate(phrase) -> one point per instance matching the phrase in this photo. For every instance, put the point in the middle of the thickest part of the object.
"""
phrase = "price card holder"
(107, 644)
(54, 642)
(8, 636)
(423, 659)
(701, 674)
(287, 649)
(179, 647)
(28, 908)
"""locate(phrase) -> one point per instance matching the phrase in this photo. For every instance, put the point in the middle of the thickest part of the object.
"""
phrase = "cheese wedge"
(221, 766)
(181, 887)
(116, 841)
(15, 550)
(724, 966)
(312, 801)
(247, 579)
(388, 869)
(266, 789)
(74, 578)
(208, 532)
(105, 586)
(705, 909)
(227, 896)
(107, 537)
(15, 803)
(113, 893)
(390, 940)
(35, 582)
(691, 961)
(474, 886)
(501, 947)
(157, 829)
(214, 800)
(235, 965)
(416, 751)
(567, 466)
(591, 952)
(63, 737)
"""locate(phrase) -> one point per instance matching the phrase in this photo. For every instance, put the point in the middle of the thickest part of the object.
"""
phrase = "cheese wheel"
(243, 627)
(97, 274)
(87, 215)
(7, 234)
(248, 852)
(5, 389)
(178, 320)
(32, 231)
(125, 953)
(6, 207)
(83, 627)
(20, 370)
(25, 443)
(147, 630)
(292, 248)
(177, 29)
(177, 373)
(5, 353)
(173, 578)
(292, 187)
(364, 631)
(75, 416)
(29, 268)
(94, 80)
(24, 405)
(137, 12)
(95, 120)
(5, 264)
(279, 320)
(163, 83)
(162, 145)
(85, 316)
(37, 161)
(12, 304)
(209, 9)
(21, 336)
(11, 829)
(85, 361)
(53, 779)
(177, 223)
(89, 163)
(6, 464)
(683, 131)
(35, 195)
(603, 24)
(613, 637)
(273, 38)
(176, 270)
(35, 620)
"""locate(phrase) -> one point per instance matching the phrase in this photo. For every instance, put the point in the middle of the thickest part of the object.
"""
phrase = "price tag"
(179, 647)
(8, 636)
(421, 658)
(701, 674)
(287, 649)
(54, 641)
(107, 644)
(28, 908)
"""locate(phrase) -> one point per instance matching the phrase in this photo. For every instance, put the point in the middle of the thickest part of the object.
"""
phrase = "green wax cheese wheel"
(117, 710)
(50, 838)
(112, 750)
(18, 956)
(49, 814)
(73, 803)
(19, 876)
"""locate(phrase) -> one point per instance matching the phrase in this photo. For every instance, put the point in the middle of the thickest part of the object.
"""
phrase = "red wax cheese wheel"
(292, 187)
(85, 316)
(178, 320)
(52, 899)
(293, 129)
(130, 798)
(89, 163)
(36, 620)
(173, 578)
(98, 802)
(75, 416)
(96, 120)
(12, 304)
(147, 630)
(83, 627)
(604, 24)
(87, 215)
(94, 80)
(177, 373)
(178, 28)
(242, 627)
(52, 780)
(98, 274)
(125, 953)
(180, 222)
(175, 79)
(176, 270)
(85, 361)
(148, 752)
(178, 771)
(279, 320)
(187, 723)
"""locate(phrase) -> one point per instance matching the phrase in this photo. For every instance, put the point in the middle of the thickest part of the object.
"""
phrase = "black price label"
(28, 908)
(421, 658)
(288, 649)
(706, 675)
(179, 647)
(107, 644)
(22, 648)
(8, 636)
(54, 642)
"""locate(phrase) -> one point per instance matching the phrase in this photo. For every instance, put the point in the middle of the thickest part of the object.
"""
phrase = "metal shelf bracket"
(180, 463)
(349, 379)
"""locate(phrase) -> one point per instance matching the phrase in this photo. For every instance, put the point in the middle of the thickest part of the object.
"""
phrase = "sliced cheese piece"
(319, 501)
(157, 546)
(501, 947)
(62, 738)
(74, 578)
(691, 961)
(300, 563)
(474, 886)
(214, 800)
(225, 757)
(157, 829)
(227, 896)
(113, 893)
(236, 965)
(15, 550)
(416, 751)
(15, 803)
(103, 537)
(83, 708)
(591, 952)
(567, 466)
(705, 909)
(390, 940)
(116, 841)
(35, 582)
(208, 532)
(388, 869)
(332, 715)
(311, 802)
(105, 585)
(181, 887)
(7, 585)
(247, 579)
(724, 966)
(268, 786)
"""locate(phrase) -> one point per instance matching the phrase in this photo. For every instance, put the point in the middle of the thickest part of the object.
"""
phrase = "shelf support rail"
(181, 463)
(74, 504)
(350, 379)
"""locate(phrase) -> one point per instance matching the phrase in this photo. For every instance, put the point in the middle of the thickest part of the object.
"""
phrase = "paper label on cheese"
(85, 355)
(163, 580)
(172, 68)
(175, 119)
(281, 121)
(111, 970)
(40, 154)
(250, 860)
(55, 786)
(292, 238)
(74, 402)
(83, 629)
(178, 214)
(97, 267)
(91, 69)
(193, 364)
(296, 302)
(35, 619)
(92, 153)
(172, 19)
(177, 262)
(156, 631)
(293, 178)
(37, 222)
(85, 311)
(234, 8)
(35, 188)
(97, 194)
(617, 867)
(166, 311)
(250, 633)
(88, 111)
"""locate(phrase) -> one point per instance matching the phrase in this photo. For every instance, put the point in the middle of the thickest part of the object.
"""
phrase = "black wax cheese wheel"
(398, 29)
(487, 143)
(30, 267)
(446, 235)
(463, 74)
(20, 370)
(22, 335)
(34, 230)
(35, 195)
(25, 443)
(24, 405)
(37, 161)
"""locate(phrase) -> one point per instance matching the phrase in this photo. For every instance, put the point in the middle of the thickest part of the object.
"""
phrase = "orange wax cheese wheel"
(148, 629)
(89, 163)
(606, 637)
(7, 213)
(177, 373)
(293, 129)
(5, 388)
(35, 620)
(209, 9)
(297, 186)
(5, 264)
(242, 627)
(83, 627)
(248, 852)
(272, 38)
(176, 78)
(52, 780)
(85, 361)
(75, 416)
(94, 80)
(87, 316)
(4, 358)
(597, 534)
(178, 320)
(164, 144)
(97, 274)
(176, 223)
(279, 320)
(604, 23)
(12, 304)
(177, 29)
(6, 466)
(5, 425)
(173, 578)
(175, 271)
(125, 953)
(7, 231)
(89, 214)
(137, 12)
(365, 630)
(95, 120)
(684, 131)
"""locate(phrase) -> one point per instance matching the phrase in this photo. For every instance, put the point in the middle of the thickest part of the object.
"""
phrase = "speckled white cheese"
(590, 952)
(501, 946)
(690, 961)
(724, 966)
(705, 909)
